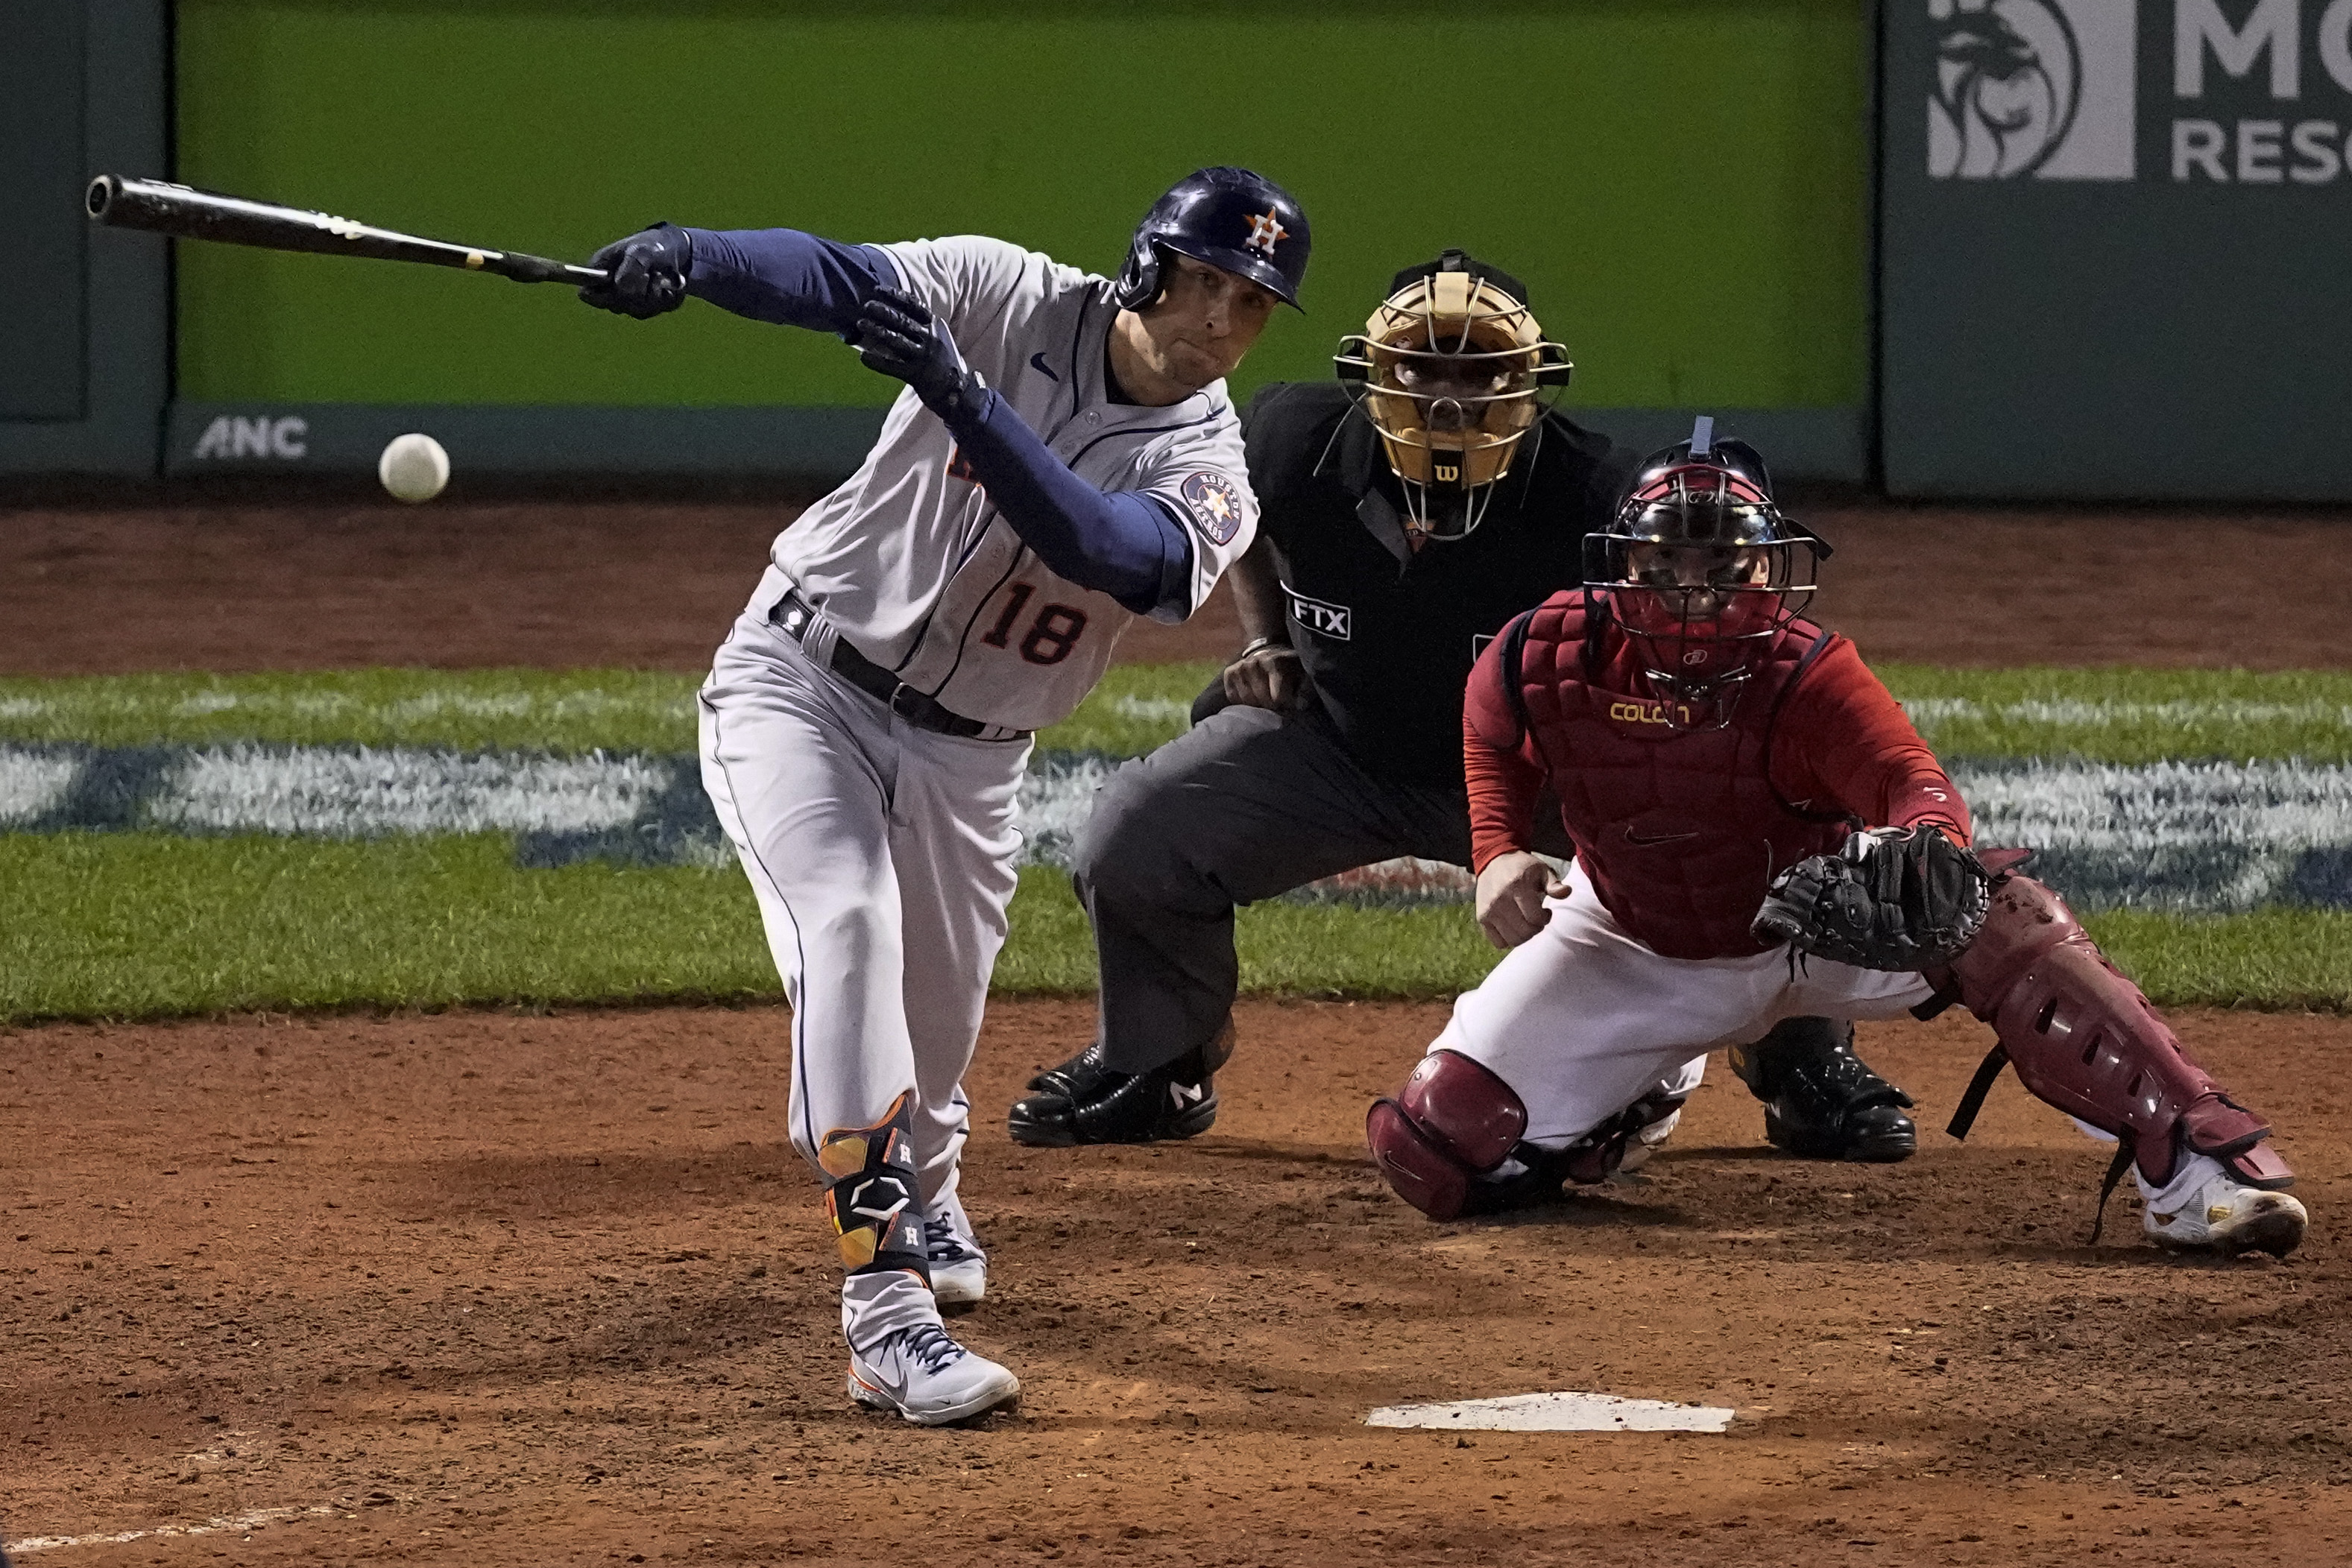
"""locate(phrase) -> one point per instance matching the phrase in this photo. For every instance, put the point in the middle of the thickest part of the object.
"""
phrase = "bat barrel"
(189, 214)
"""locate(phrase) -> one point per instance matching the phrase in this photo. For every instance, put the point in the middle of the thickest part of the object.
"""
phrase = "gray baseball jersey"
(910, 560)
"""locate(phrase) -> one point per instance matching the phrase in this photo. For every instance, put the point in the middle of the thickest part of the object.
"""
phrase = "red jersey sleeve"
(1498, 761)
(1844, 742)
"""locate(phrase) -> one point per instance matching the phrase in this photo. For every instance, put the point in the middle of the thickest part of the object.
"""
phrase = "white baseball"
(413, 468)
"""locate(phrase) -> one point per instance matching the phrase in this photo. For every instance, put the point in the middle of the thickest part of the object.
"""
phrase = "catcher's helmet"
(1230, 218)
(1701, 567)
(1452, 368)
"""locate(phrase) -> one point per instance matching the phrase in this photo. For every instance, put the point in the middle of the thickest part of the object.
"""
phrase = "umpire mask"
(1452, 369)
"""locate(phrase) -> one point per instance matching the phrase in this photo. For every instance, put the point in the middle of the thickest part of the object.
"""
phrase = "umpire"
(1409, 510)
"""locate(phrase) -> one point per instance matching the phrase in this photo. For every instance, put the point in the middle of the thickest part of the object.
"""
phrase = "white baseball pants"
(1582, 1020)
(882, 856)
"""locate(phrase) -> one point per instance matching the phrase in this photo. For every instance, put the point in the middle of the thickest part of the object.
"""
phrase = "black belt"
(794, 616)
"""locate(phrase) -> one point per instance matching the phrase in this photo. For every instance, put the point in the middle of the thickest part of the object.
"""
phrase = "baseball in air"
(413, 468)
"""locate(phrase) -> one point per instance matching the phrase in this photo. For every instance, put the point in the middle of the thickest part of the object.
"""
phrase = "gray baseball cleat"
(926, 1378)
(959, 1268)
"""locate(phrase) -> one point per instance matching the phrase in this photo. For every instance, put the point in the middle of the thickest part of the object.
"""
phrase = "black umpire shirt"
(1388, 633)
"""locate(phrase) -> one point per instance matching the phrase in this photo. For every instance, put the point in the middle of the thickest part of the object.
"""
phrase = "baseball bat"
(191, 214)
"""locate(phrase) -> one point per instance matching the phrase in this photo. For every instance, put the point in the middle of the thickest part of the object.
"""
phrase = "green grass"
(567, 712)
(2099, 715)
(2282, 960)
(137, 925)
(2126, 716)
(144, 925)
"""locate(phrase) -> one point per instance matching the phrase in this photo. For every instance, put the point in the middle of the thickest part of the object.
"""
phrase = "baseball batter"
(1065, 458)
(1760, 833)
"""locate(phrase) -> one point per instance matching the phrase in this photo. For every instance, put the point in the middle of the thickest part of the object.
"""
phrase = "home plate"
(1564, 1412)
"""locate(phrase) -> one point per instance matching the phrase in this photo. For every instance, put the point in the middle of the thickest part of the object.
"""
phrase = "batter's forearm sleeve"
(1117, 542)
(786, 277)
(1504, 786)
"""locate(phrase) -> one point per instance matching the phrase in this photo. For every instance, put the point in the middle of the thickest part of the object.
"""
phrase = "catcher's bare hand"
(1511, 894)
(1892, 898)
(1271, 677)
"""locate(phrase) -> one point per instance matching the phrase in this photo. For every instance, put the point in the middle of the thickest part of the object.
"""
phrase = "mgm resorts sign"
(2245, 92)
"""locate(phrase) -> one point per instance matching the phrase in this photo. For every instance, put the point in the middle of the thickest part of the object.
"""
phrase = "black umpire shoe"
(1820, 1100)
(1083, 1101)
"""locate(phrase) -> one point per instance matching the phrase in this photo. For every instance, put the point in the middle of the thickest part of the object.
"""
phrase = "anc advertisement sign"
(2113, 243)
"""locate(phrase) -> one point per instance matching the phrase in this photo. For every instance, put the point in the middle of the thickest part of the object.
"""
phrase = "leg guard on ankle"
(869, 1193)
(1453, 1120)
(2083, 1038)
(1625, 1141)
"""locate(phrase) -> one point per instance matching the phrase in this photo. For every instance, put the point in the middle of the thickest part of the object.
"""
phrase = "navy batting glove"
(648, 273)
(897, 335)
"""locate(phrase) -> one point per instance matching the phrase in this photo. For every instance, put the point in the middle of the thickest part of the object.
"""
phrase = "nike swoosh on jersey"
(1037, 363)
(1649, 840)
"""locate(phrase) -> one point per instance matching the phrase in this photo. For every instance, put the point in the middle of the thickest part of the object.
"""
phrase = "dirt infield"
(651, 585)
(487, 1288)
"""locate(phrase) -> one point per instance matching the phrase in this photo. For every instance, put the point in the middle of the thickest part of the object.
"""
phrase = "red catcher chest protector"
(1680, 829)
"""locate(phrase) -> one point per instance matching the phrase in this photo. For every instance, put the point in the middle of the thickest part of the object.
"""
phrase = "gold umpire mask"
(1453, 370)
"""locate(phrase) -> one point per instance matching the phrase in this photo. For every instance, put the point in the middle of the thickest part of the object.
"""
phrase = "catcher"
(1687, 719)
(1410, 509)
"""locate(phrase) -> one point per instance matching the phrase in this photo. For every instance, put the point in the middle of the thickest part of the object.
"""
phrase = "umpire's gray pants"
(1248, 804)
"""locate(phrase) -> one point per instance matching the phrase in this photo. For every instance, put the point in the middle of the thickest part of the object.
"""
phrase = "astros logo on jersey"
(1216, 506)
(1265, 228)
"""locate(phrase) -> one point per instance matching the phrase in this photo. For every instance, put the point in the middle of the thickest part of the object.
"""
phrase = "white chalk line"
(2216, 836)
(240, 1521)
(1152, 710)
(364, 793)
(32, 782)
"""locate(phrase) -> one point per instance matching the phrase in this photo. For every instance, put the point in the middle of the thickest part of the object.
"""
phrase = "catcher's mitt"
(1890, 898)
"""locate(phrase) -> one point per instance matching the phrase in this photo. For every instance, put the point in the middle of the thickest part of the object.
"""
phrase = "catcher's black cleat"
(1820, 1100)
(1083, 1101)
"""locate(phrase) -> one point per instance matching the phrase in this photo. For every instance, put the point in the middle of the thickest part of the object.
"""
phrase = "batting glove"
(648, 272)
(897, 335)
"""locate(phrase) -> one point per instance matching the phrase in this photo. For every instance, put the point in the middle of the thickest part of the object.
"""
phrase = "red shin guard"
(2083, 1038)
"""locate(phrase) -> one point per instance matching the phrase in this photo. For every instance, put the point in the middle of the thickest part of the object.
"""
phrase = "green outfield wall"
(1682, 183)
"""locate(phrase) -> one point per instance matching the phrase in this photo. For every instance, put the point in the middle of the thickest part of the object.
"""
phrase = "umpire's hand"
(648, 270)
(1267, 674)
(1511, 894)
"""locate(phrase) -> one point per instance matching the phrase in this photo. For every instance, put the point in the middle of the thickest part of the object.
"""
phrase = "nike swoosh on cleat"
(1037, 363)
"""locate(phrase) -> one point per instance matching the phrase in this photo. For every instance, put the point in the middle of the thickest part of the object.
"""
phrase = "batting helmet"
(1453, 367)
(1702, 568)
(1229, 218)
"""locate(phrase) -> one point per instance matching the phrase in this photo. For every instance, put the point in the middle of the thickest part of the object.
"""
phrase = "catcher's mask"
(1701, 567)
(1452, 369)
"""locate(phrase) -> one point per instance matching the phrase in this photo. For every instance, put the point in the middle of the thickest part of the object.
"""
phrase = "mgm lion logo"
(2009, 77)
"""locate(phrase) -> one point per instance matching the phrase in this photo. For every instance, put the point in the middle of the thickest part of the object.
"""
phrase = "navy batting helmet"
(1229, 218)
